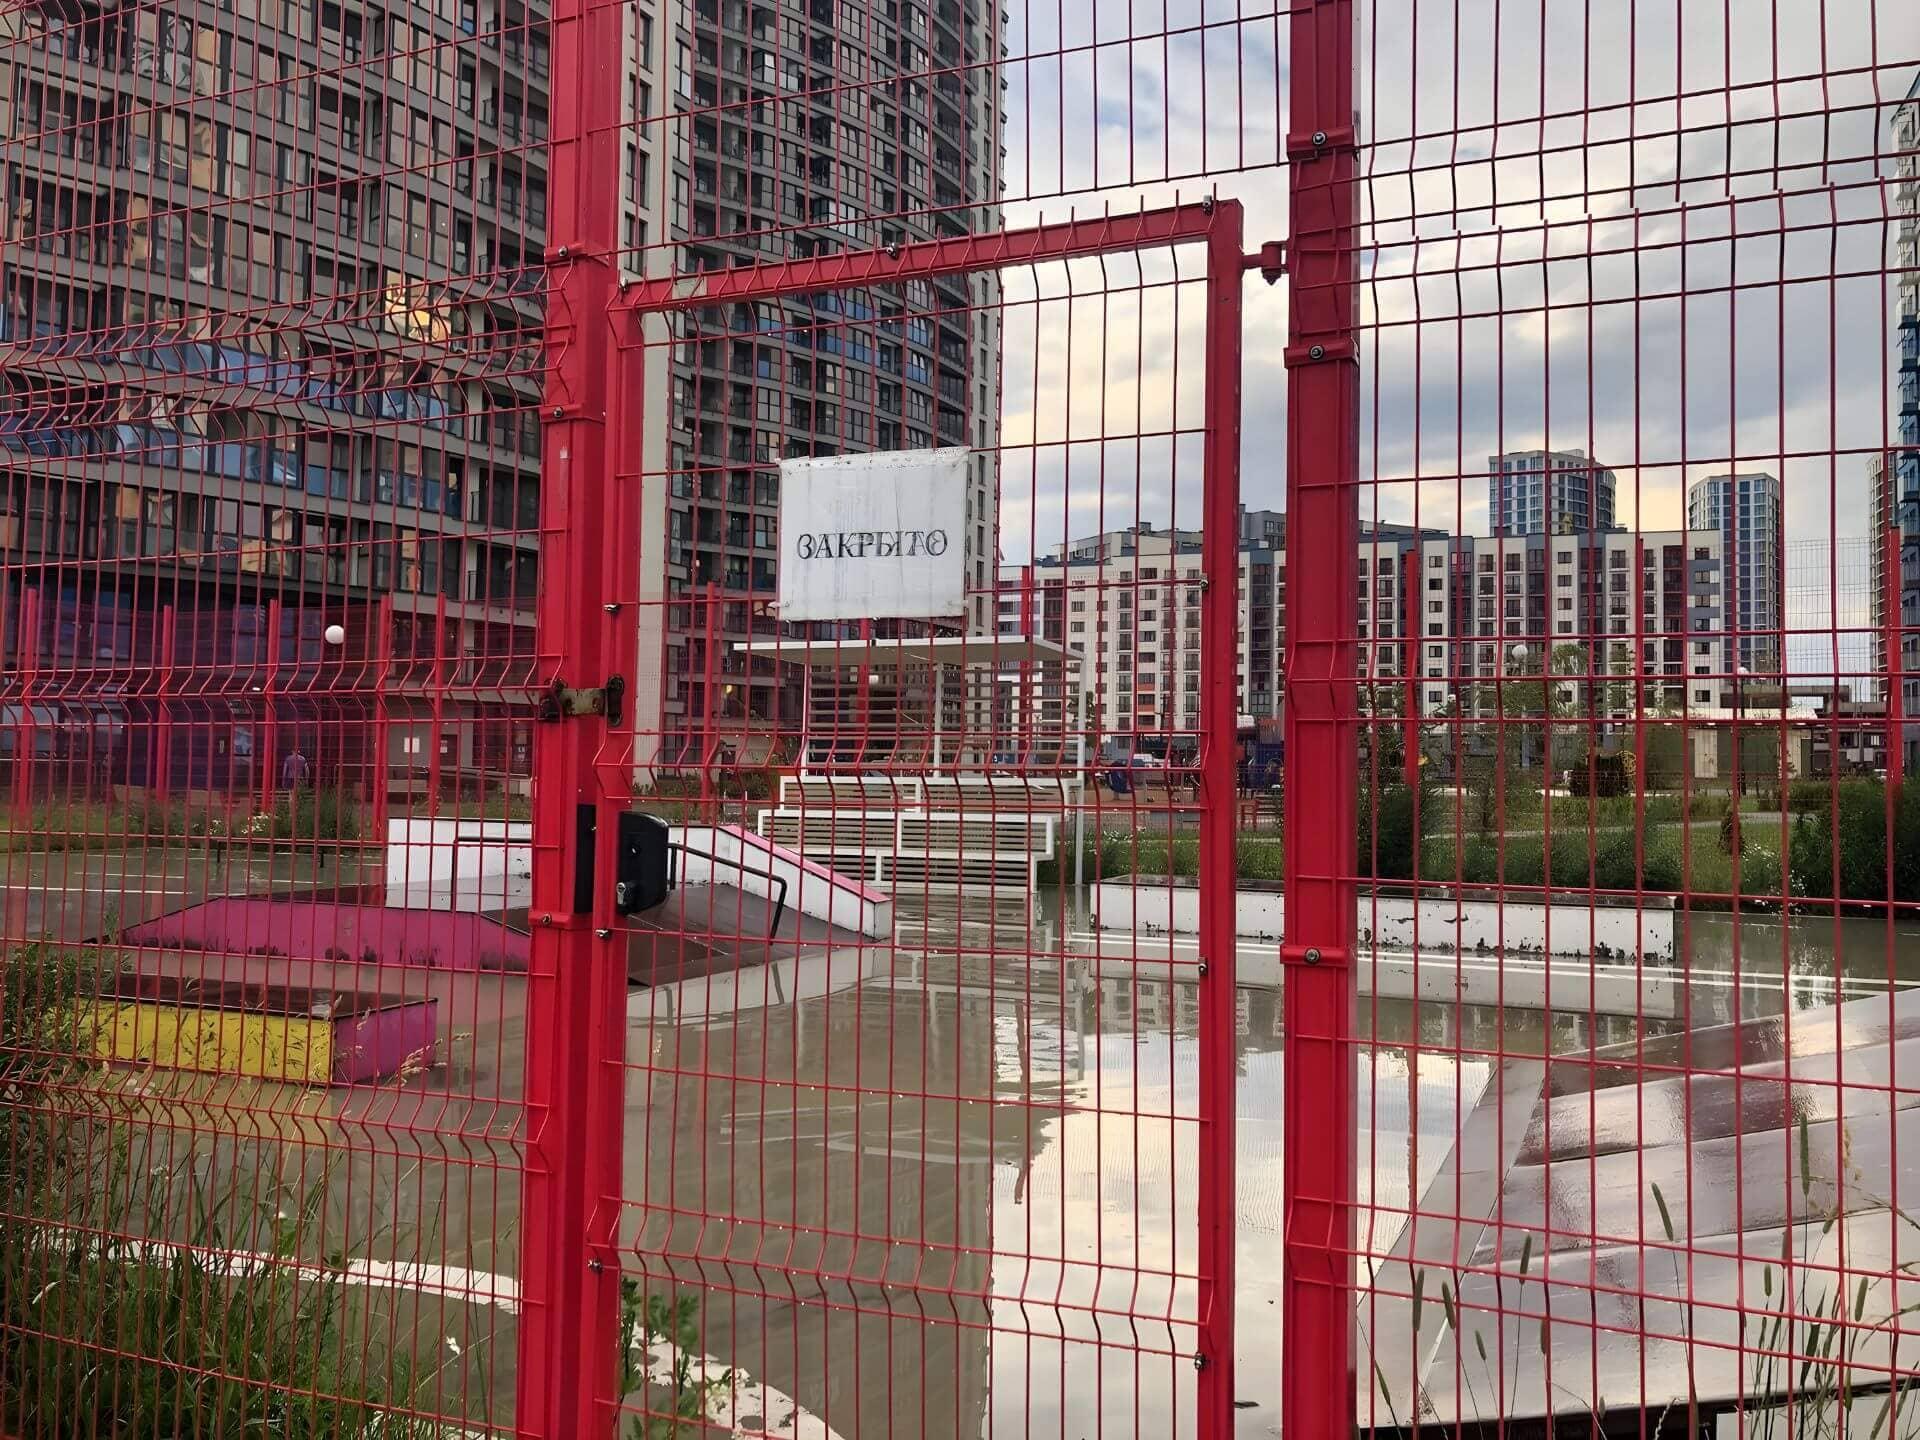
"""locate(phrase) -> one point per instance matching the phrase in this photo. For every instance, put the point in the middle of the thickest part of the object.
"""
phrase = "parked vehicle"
(42, 721)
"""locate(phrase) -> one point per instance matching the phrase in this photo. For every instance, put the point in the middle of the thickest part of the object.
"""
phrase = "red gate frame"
(1219, 225)
(574, 1038)
(587, 631)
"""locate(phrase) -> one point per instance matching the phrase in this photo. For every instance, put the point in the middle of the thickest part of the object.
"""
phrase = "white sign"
(879, 536)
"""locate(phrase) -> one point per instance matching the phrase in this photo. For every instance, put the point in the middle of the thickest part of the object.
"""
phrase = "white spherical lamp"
(336, 634)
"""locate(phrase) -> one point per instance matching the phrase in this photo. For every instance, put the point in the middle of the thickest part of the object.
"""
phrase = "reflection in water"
(959, 1199)
(964, 1204)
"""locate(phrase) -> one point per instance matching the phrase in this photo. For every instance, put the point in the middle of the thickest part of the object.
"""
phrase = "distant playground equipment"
(931, 762)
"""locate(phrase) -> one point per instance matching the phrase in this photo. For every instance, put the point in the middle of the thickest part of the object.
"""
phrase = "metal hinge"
(1270, 260)
(564, 702)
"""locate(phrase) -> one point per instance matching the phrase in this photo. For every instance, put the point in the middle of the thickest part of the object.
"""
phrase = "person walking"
(293, 770)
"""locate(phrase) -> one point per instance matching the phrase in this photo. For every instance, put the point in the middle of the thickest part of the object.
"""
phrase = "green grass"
(1261, 857)
(85, 826)
(652, 1325)
(1673, 860)
(164, 1336)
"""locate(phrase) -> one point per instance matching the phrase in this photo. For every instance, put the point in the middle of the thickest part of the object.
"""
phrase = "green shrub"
(1858, 813)
(1609, 863)
(1602, 776)
(1661, 869)
(1759, 870)
(1261, 858)
(305, 814)
(755, 784)
(1386, 822)
(1666, 756)
(1808, 795)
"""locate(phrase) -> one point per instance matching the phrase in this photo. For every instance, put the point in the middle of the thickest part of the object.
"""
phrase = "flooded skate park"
(950, 1167)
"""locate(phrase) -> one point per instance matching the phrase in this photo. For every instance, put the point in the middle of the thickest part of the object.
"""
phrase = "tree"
(1603, 774)
(1523, 707)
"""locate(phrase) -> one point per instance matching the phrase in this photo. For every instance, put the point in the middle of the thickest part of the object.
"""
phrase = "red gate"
(708, 1244)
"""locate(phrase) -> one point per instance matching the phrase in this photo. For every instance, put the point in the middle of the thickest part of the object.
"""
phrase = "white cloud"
(1626, 228)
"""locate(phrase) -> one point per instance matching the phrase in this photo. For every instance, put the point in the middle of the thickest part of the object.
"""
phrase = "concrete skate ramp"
(704, 927)
(344, 924)
(1657, 1192)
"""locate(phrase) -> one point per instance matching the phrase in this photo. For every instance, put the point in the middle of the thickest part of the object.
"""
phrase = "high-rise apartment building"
(1482, 607)
(1438, 615)
(1748, 510)
(807, 129)
(1129, 601)
(271, 311)
(1548, 491)
(280, 266)
(1895, 476)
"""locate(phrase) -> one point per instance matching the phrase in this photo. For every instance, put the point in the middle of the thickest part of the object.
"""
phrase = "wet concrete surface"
(951, 1191)
(83, 894)
(1684, 1240)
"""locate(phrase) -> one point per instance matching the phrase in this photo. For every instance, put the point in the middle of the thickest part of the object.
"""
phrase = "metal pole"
(160, 764)
(27, 658)
(1219, 820)
(706, 715)
(1317, 1374)
(939, 708)
(439, 705)
(266, 744)
(1895, 627)
(1410, 672)
(382, 768)
(1080, 770)
(576, 980)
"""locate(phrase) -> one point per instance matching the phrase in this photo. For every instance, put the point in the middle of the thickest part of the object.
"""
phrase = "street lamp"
(1519, 655)
(1740, 673)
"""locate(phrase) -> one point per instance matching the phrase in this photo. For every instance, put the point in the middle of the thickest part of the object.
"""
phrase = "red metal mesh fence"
(1633, 915)
(1412, 933)
(921, 1151)
(269, 536)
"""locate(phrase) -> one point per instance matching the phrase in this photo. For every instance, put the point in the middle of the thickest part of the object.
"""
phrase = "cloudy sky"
(1655, 231)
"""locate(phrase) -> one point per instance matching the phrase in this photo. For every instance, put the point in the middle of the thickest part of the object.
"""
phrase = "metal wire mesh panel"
(270, 357)
(907, 1143)
(1635, 390)
(664, 770)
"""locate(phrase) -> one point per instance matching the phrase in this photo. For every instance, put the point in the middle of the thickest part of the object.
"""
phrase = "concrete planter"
(1437, 924)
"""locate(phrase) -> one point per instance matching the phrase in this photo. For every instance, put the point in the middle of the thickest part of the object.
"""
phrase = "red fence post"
(1317, 1383)
(576, 981)
(1219, 820)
